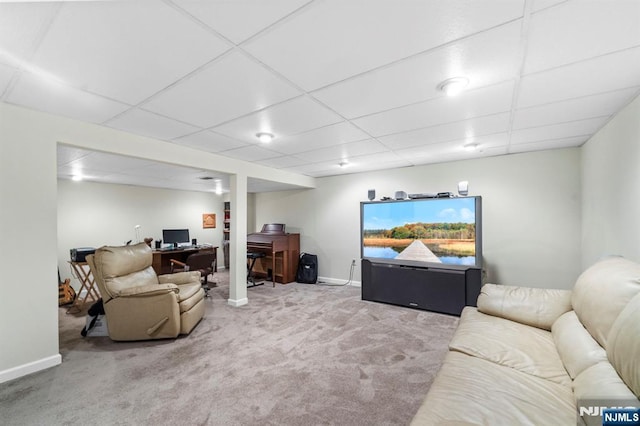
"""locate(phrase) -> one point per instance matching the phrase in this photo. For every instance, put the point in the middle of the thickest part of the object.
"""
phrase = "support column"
(238, 242)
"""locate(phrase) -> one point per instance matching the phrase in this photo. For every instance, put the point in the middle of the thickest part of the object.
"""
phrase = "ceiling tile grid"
(209, 141)
(228, 88)
(333, 81)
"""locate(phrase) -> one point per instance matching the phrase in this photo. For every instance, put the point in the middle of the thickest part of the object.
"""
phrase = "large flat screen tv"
(430, 230)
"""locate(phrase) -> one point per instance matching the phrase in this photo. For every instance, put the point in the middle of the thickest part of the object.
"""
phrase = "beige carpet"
(297, 354)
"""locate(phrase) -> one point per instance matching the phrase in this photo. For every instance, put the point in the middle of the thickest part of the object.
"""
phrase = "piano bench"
(252, 256)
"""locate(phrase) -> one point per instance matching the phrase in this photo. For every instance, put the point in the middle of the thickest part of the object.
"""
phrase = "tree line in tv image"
(440, 240)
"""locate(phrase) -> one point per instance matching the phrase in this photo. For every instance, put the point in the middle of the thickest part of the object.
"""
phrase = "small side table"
(82, 271)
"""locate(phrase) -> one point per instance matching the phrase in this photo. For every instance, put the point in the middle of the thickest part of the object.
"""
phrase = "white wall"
(611, 189)
(97, 214)
(531, 213)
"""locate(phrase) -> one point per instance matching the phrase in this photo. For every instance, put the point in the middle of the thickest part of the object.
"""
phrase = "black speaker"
(371, 194)
(194, 242)
(307, 272)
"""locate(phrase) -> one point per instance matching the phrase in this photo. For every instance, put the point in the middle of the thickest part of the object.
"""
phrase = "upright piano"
(282, 252)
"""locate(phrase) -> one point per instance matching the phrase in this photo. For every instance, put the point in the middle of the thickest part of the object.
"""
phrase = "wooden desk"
(161, 258)
(87, 283)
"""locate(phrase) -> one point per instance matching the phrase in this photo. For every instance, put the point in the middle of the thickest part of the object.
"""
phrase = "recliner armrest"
(180, 278)
(148, 290)
(538, 307)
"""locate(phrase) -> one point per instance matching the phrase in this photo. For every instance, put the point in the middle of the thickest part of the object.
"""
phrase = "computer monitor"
(176, 236)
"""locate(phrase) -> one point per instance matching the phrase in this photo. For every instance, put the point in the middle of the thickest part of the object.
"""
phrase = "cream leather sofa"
(528, 356)
(140, 305)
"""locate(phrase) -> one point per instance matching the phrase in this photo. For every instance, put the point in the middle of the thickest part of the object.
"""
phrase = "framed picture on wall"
(208, 220)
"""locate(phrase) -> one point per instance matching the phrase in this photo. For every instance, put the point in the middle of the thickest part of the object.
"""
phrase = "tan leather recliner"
(140, 305)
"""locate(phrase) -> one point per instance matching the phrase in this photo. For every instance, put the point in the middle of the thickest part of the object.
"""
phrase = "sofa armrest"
(538, 307)
(180, 278)
(148, 290)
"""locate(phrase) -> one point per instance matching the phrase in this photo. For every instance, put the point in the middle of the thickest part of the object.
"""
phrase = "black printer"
(80, 254)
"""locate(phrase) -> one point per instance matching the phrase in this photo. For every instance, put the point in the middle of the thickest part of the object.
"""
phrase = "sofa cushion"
(115, 285)
(473, 391)
(578, 350)
(538, 307)
(623, 345)
(602, 291)
(189, 295)
(117, 261)
(527, 349)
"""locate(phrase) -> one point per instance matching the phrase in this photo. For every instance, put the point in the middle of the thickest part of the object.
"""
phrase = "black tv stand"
(433, 287)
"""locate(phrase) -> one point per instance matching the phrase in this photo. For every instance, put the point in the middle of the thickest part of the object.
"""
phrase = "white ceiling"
(333, 80)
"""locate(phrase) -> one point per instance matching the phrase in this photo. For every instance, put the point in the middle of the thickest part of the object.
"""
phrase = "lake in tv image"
(441, 230)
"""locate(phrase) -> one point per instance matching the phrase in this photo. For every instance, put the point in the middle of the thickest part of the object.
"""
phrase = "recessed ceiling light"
(264, 137)
(76, 178)
(471, 146)
(206, 177)
(453, 86)
(343, 163)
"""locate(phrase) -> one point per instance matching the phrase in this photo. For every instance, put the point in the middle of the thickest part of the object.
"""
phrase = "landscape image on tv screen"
(441, 230)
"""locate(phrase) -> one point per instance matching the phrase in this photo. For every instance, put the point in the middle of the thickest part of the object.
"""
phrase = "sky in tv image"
(442, 210)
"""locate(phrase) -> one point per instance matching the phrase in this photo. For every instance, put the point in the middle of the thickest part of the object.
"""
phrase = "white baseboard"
(29, 368)
(239, 302)
(335, 281)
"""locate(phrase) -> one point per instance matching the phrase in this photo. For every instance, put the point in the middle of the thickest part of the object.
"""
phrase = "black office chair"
(204, 262)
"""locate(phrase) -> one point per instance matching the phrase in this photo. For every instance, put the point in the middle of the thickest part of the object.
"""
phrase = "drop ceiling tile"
(232, 86)
(543, 4)
(55, 98)
(67, 154)
(333, 134)
(295, 116)
(122, 179)
(92, 175)
(343, 151)
(283, 162)
(365, 166)
(317, 169)
(6, 74)
(365, 34)
(209, 141)
(374, 160)
(460, 130)
(251, 153)
(124, 50)
(548, 144)
(239, 20)
(581, 79)
(462, 155)
(485, 59)
(453, 148)
(333, 170)
(474, 103)
(167, 171)
(108, 163)
(574, 109)
(21, 26)
(148, 124)
(558, 131)
(575, 31)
